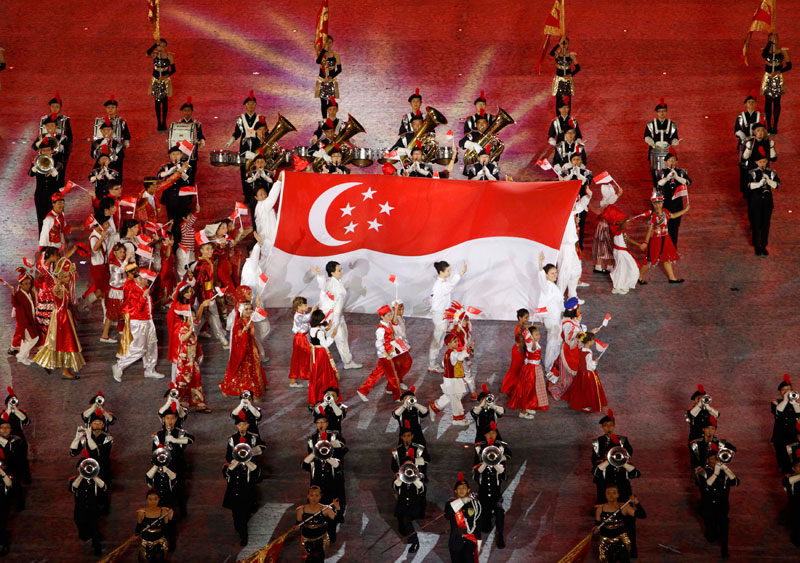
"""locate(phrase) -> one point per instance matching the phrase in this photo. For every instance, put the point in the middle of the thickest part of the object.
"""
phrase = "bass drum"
(362, 157)
(658, 156)
(219, 158)
(443, 156)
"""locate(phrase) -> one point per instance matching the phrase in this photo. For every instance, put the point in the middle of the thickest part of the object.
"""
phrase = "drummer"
(418, 168)
(660, 134)
(245, 130)
(198, 139)
(332, 110)
(335, 166)
(327, 136)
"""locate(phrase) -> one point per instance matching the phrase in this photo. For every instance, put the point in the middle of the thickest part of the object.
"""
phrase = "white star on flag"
(386, 208)
(374, 224)
(368, 194)
(347, 210)
(350, 228)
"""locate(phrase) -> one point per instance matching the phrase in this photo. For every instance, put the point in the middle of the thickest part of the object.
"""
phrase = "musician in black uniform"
(411, 501)
(485, 412)
(90, 498)
(177, 206)
(109, 146)
(668, 181)
(791, 484)
(18, 417)
(243, 436)
(602, 444)
(176, 440)
(57, 141)
(470, 124)
(121, 132)
(562, 123)
(484, 168)
(97, 442)
(337, 442)
(470, 140)
(777, 62)
(406, 446)
(328, 122)
(716, 480)
(700, 447)
(252, 413)
(566, 148)
(463, 512)
(335, 411)
(162, 479)
(759, 205)
(258, 177)
(14, 456)
(161, 83)
(335, 166)
(405, 138)
(245, 131)
(411, 411)
(330, 66)
(760, 144)
(6, 487)
(63, 127)
(328, 474)
(786, 413)
(47, 184)
(744, 131)
(792, 451)
(240, 492)
(102, 175)
(415, 101)
(418, 168)
(660, 134)
(575, 170)
(698, 416)
(187, 109)
(563, 82)
(489, 477)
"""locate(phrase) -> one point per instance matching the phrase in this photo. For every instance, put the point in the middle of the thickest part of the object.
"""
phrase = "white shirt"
(336, 288)
(441, 294)
(300, 323)
(551, 297)
(319, 332)
(400, 329)
(266, 218)
(100, 256)
(571, 230)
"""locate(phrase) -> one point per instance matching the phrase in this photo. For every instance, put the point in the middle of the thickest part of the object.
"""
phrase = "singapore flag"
(376, 226)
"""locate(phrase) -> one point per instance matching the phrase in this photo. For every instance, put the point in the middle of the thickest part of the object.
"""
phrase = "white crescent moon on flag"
(319, 210)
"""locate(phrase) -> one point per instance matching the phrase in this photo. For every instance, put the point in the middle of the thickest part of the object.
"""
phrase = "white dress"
(626, 272)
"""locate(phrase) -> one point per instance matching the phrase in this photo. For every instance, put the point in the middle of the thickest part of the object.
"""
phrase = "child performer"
(626, 267)
(323, 370)
(116, 281)
(245, 371)
(463, 512)
(530, 393)
(187, 376)
(659, 244)
(586, 392)
(462, 328)
(27, 332)
(453, 382)
(388, 349)
(440, 300)
(517, 352)
(602, 247)
(61, 347)
(301, 349)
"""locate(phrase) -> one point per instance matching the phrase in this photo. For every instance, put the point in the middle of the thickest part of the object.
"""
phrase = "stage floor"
(729, 327)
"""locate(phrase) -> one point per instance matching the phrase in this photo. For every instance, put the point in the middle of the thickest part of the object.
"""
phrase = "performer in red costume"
(530, 393)
(244, 365)
(390, 362)
(517, 352)
(27, 332)
(586, 392)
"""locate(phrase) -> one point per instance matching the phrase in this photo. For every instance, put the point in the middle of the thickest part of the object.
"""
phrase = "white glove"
(418, 484)
(398, 482)
(333, 462)
(233, 465)
(308, 458)
(499, 468)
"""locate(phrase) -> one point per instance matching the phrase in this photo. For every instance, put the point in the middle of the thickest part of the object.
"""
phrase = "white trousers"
(26, 346)
(469, 374)
(262, 329)
(569, 270)
(439, 329)
(341, 340)
(452, 389)
(182, 259)
(144, 345)
(553, 346)
(211, 316)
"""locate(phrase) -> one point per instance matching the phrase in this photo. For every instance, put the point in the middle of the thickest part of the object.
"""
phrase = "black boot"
(501, 542)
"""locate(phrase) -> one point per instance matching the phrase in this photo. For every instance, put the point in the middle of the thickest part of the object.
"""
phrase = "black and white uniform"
(489, 479)
(714, 490)
(419, 169)
(176, 441)
(784, 431)
(122, 135)
(412, 414)
(245, 133)
(335, 413)
(471, 123)
(63, 127)
(559, 126)
(463, 515)
(338, 125)
(199, 137)
(755, 149)
(564, 152)
(759, 206)
(339, 445)
(478, 171)
(484, 414)
(47, 184)
(660, 134)
(330, 168)
(669, 181)
(743, 129)
(89, 502)
(252, 414)
(253, 440)
(698, 417)
(240, 493)
(411, 505)
(405, 122)
(698, 451)
(791, 484)
(99, 448)
(420, 454)
(101, 176)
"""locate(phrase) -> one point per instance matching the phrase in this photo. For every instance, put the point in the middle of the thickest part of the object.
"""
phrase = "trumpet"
(618, 456)
(13, 401)
(329, 399)
(174, 393)
(725, 455)
(44, 163)
(89, 468)
(99, 400)
(162, 457)
(491, 455)
(490, 399)
(490, 137)
(411, 401)
(242, 453)
(794, 396)
(706, 399)
(246, 396)
(409, 472)
(323, 449)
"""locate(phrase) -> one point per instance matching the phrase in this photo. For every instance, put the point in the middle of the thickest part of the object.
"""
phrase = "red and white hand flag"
(449, 136)
(606, 319)
(683, 191)
(145, 252)
(188, 190)
(149, 275)
(90, 222)
(392, 279)
(200, 238)
(241, 209)
(220, 292)
(603, 178)
(28, 262)
(541, 311)
(474, 310)
(129, 202)
(186, 147)
(601, 347)
(259, 315)
(544, 164)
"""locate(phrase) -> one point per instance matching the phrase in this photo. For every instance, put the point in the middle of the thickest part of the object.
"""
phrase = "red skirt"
(113, 304)
(323, 374)
(100, 276)
(586, 393)
(301, 358)
(512, 375)
(661, 249)
(530, 392)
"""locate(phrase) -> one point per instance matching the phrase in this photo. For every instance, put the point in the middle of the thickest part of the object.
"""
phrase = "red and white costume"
(27, 332)
(187, 375)
(98, 260)
(569, 360)
(394, 367)
(116, 280)
(660, 247)
(531, 392)
(323, 371)
(204, 286)
(61, 348)
(512, 377)
(453, 385)
(626, 268)
(586, 393)
(301, 349)
(139, 338)
(54, 231)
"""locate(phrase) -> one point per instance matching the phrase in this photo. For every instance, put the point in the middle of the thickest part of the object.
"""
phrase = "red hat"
(449, 338)
(388, 169)
(58, 196)
(413, 389)
(11, 391)
(416, 94)
(172, 385)
(485, 388)
(332, 102)
(488, 149)
(571, 123)
(661, 104)
(701, 389)
(251, 97)
(407, 424)
(577, 149)
(53, 116)
(673, 152)
(57, 97)
(610, 414)
(383, 310)
(419, 145)
(329, 123)
(460, 477)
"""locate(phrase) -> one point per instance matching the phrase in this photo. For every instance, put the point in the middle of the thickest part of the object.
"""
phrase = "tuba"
(162, 457)
(430, 147)
(618, 456)
(273, 153)
(409, 472)
(490, 137)
(725, 455)
(352, 129)
(89, 468)
(491, 455)
(44, 163)
(242, 453)
(323, 450)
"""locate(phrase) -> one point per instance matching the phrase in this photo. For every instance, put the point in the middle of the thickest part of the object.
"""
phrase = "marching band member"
(96, 441)
(463, 512)
(327, 129)
(484, 169)
(417, 168)
(698, 449)
(109, 146)
(489, 479)
(161, 83)
(388, 349)
(6, 487)
(245, 131)
(792, 488)
(660, 134)
(330, 66)
(411, 500)
(97, 407)
(714, 501)
(786, 413)
(753, 148)
(187, 109)
(415, 101)
(89, 496)
(121, 133)
(562, 123)
(335, 166)
(332, 296)
(668, 181)
(335, 410)
(759, 206)
(575, 169)
(57, 140)
(440, 300)
(744, 131)
(551, 303)
(657, 240)
(602, 444)
(470, 124)
(453, 382)
(48, 184)
(328, 474)
(14, 456)
(251, 412)
(63, 126)
(700, 413)
(176, 440)
(772, 84)
(563, 82)
(329, 122)
(566, 148)
(406, 440)
(337, 441)
(243, 435)
(408, 416)
(102, 175)
(241, 475)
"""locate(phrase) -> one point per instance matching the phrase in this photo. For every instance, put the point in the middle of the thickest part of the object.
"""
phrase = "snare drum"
(658, 155)
(362, 157)
(443, 155)
(304, 153)
(181, 131)
(219, 158)
(234, 158)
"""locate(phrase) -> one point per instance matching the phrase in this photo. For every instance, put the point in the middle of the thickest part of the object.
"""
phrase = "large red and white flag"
(763, 20)
(392, 225)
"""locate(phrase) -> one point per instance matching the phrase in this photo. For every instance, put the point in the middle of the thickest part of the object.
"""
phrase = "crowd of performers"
(148, 255)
